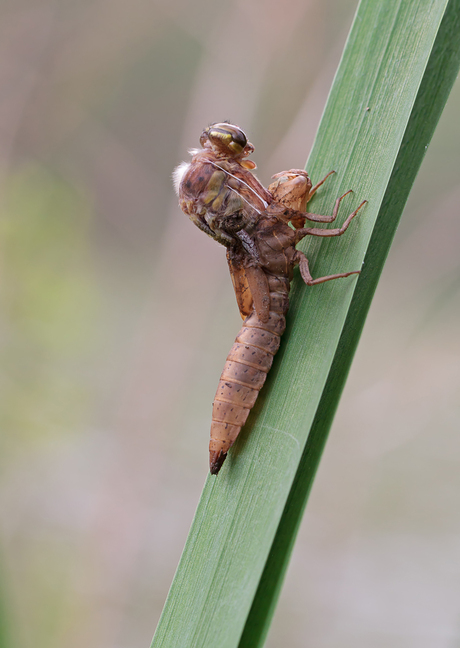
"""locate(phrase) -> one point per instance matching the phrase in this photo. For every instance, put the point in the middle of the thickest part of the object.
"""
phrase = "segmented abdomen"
(245, 371)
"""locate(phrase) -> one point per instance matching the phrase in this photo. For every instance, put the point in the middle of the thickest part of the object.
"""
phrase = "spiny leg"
(306, 275)
(318, 185)
(316, 218)
(338, 231)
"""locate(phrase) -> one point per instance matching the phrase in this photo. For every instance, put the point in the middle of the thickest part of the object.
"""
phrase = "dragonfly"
(260, 228)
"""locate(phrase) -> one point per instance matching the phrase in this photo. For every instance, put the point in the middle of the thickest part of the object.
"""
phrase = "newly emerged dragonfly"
(260, 229)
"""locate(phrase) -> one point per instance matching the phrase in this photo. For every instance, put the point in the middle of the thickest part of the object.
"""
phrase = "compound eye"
(226, 137)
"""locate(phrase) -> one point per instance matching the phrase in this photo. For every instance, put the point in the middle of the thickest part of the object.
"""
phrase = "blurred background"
(117, 315)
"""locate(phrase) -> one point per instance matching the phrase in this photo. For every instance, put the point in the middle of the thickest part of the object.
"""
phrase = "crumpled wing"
(251, 288)
(240, 286)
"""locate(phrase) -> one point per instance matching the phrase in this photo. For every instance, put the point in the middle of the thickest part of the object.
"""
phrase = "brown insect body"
(223, 198)
(251, 356)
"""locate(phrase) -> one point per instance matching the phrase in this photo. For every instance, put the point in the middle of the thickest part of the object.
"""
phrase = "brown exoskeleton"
(221, 195)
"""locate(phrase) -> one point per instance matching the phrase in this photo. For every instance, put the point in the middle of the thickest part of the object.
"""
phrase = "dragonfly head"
(227, 139)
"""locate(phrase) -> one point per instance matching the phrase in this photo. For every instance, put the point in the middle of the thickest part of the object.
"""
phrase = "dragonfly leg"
(306, 274)
(328, 219)
(318, 185)
(338, 231)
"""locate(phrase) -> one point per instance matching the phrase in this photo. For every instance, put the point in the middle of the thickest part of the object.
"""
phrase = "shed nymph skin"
(260, 229)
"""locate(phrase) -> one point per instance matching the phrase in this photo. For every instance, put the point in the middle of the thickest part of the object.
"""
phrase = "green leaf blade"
(232, 566)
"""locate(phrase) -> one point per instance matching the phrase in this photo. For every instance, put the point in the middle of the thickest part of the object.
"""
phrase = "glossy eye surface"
(227, 138)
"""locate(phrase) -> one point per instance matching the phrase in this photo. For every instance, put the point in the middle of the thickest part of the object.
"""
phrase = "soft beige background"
(117, 316)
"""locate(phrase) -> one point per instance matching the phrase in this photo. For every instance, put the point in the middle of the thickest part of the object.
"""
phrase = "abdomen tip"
(216, 460)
